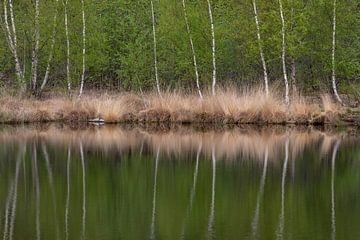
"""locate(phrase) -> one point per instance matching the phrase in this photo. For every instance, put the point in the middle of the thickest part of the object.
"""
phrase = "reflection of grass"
(244, 142)
(228, 106)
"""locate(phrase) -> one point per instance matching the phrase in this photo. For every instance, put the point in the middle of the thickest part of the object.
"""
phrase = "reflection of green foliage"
(119, 194)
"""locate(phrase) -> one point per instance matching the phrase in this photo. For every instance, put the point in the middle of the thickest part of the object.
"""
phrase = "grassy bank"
(227, 107)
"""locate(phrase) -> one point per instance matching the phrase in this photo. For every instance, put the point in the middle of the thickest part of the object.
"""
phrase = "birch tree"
(84, 48)
(283, 44)
(333, 75)
(213, 45)
(51, 53)
(35, 50)
(11, 39)
(67, 45)
(261, 49)
(155, 50)
(192, 49)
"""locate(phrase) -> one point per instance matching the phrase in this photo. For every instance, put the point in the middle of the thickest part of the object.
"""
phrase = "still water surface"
(117, 183)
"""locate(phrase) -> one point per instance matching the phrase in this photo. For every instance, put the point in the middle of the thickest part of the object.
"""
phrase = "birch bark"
(287, 101)
(12, 41)
(53, 40)
(35, 50)
(261, 49)
(84, 48)
(192, 49)
(155, 50)
(213, 47)
(67, 46)
(333, 75)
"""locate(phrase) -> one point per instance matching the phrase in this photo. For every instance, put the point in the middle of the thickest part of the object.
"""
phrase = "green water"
(139, 184)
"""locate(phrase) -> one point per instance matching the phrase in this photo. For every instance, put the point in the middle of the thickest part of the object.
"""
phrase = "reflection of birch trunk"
(51, 53)
(35, 50)
(255, 222)
(67, 46)
(7, 209)
(84, 48)
(213, 47)
(280, 231)
(67, 195)
(192, 49)
(51, 182)
(14, 200)
(192, 193)
(212, 206)
(155, 50)
(153, 214)
(333, 213)
(261, 49)
(83, 227)
(283, 44)
(333, 76)
(37, 191)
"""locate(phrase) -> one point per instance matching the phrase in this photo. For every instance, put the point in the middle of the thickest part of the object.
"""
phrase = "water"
(135, 183)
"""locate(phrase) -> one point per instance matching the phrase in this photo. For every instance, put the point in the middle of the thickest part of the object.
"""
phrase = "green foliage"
(120, 48)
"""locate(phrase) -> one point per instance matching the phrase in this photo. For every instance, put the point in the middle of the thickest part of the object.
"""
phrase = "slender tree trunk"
(261, 49)
(155, 50)
(287, 101)
(213, 47)
(11, 38)
(333, 76)
(51, 54)
(84, 48)
(35, 50)
(192, 49)
(67, 46)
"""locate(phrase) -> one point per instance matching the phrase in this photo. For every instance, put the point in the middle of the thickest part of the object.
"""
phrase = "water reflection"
(280, 232)
(102, 181)
(83, 226)
(153, 212)
(68, 163)
(333, 213)
(255, 221)
(212, 206)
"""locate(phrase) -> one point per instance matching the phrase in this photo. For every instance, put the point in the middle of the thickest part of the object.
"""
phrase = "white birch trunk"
(333, 76)
(155, 50)
(12, 41)
(261, 49)
(35, 50)
(51, 53)
(213, 48)
(67, 46)
(287, 101)
(84, 49)
(192, 49)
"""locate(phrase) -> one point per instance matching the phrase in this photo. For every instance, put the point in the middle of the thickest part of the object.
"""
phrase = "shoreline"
(226, 108)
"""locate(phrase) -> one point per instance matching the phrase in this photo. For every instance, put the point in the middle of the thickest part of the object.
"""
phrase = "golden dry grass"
(228, 106)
